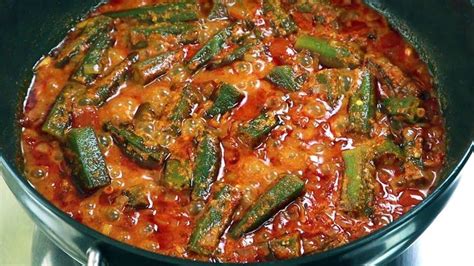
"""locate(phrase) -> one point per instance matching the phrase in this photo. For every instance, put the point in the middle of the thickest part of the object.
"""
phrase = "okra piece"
(256, 130)
(144, 114)
(139, 35)
(91, 29)
(170, 12)
(94, 60)
(147, 70)
(227, 98)
(390, 75)
(389, 147)
(177, 176)
(285, 190)
(362, 105)
(210, 49)
(106, 86)
(284, 77)
(332, 53)
(214, 220)
(138, 198)
(207, 164)
(134, 147)
(335, 82)
(183, 108)
(59, 117)
(218, 11)
(237, 54)
(407, 107)
(357, 185)
(286, 247)
(413, 146)
(280, 19)
(89, 170)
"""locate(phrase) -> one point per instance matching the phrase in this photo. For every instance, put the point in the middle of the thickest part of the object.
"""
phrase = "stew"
(233, 131)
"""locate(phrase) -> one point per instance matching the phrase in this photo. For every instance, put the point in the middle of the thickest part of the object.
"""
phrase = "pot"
(441, 31)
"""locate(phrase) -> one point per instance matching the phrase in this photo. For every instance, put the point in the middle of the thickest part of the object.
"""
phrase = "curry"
(233, 131)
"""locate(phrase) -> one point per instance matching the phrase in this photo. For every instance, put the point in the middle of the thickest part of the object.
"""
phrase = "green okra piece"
(147, 70)
(284, 77)
(59, 117)
(413, 152)
(227, 98)
(285, 190)
(256, 130)
(138, 198)
(335, 82)
(214, 220)
(237, 54)
(389, 147)
(89, 170)
(332, 53)
(107, 85)
(286, 246)
(134, 147)
(176, 175)
(210, 49)
(280, 19)
(94, 60)
(390, 75)
(207, 164)
(139, 35)
(170, 12)
(188, 99)
(92, 29)
(357, 185)
(362, 105)
(407, 107)
(218, 11)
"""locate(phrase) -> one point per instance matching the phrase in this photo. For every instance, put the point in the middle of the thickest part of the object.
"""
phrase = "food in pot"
(233, 131)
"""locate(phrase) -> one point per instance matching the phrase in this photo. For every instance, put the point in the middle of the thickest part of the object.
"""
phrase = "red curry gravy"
(308, 142)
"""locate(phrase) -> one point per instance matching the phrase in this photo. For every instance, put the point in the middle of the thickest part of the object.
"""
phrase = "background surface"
(448, 241)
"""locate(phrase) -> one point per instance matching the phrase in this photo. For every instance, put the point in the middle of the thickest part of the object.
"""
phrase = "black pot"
(442, 31)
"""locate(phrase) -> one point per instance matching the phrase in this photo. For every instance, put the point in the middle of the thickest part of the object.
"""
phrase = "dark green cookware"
(441, 30)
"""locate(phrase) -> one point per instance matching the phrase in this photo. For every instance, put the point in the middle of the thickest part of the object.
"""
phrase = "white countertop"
(448, 241)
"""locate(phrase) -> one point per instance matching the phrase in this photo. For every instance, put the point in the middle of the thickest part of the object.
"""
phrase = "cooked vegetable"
(59, 117)
(276, 197)
(147, 70)
(284, 77)
(176, 175)
(172, 12)
(91, 29)
(237, 54)
(139, 35)
(183, 108)
(94, 61)
(390, 75)
(208, 161)
(332, 53)
(218, 11)
(362, 105)
(137, 197)
(135, 148)
(210, 49)
(389, 147)
(256, 130)
(358, 183)
(106, 86)
(280, 20)
(286, 247)
(227, 98)
(407, 107)
(89, 170)
(214, 220)
(335, 82)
